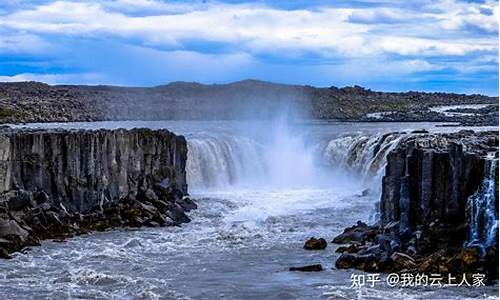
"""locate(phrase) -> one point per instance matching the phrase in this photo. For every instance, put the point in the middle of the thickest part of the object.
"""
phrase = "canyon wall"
(431, 178)
(83, 168)
(58, 183)
(438, 209)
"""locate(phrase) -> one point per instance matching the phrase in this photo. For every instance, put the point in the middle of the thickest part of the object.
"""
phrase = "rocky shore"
(439, 209)
(487, 116)
(56, 184)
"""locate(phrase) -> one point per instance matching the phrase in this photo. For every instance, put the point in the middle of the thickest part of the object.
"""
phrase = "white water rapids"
(262, 190)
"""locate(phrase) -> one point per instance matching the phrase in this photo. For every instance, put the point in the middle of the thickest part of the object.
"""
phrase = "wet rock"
(17, 199)
(148, 195)
(45, 196)
(470, 256)
(309, 268)
(176, 213)
(365, 192)
(187, 204)
(404, 260)
(357, 233)
(4, 253)
(359, 261)
(315, 244)
(41, 196)
(353, 248)
(346, 261)
(420, 131)
(425, 209)
(12, 228)
(439, 171)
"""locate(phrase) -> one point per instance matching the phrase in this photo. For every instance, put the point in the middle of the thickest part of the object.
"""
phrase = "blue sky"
(438, 45)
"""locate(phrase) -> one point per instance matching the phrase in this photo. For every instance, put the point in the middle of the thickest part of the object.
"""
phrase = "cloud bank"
(391, 45)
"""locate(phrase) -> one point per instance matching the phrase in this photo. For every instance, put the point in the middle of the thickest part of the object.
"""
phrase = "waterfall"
(277, 156)
(223, 160)
(482, 211)
(364, 155)
(282, 159)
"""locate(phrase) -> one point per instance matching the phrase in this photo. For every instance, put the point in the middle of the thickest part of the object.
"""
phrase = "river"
(262, 188)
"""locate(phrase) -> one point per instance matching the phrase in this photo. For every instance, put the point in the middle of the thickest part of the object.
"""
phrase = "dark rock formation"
(315, 244)
(252, 99)
(429, 178)
(357, 233)
(481, 117)
(438, 209)
(309, 268)
(56, 183)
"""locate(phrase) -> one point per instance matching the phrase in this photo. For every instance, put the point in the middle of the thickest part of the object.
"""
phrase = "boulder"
(358, 233)
(10, 228)
(315, 244)
(404, 260)
(17, 199)
(186, 203)
(309, 268)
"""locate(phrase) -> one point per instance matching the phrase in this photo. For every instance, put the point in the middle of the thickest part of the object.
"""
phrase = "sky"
(425, 45)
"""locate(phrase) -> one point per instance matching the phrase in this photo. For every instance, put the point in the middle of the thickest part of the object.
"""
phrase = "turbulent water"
(262, 190)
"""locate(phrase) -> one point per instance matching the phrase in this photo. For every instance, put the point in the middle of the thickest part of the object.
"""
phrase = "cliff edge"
(59, 183)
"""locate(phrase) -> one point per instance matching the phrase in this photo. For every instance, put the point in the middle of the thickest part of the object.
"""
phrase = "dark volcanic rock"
(55, 184)
(357, 233)
(309, 268)
(429, 179)
(438, 193)
(315, 244)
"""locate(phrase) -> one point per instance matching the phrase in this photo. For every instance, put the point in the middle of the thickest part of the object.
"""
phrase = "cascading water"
(482, 211)
(223, 160)
(364, 155)
(277, 157)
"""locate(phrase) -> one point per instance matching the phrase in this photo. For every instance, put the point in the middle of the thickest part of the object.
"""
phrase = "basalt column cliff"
(438, 209)
(57, 183)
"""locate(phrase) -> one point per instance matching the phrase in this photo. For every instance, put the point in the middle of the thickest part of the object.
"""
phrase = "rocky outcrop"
(429, 179)
(438, 208)
(57, 183)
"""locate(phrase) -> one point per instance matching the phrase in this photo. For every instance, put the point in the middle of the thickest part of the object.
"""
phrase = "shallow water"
(243, 238)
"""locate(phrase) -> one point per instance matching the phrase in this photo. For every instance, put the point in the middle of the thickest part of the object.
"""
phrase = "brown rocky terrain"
(39, 102)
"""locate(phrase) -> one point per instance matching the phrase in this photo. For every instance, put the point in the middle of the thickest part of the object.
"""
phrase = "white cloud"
(87, 78)
(23, 43)
(329, 32)
(425, 47)
(456, 15)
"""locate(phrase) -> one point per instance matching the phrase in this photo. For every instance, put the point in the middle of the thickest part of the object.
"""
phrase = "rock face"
(438, 209)
(429, 179)
(57, 183)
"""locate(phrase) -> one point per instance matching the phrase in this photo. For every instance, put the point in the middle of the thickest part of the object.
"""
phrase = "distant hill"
(39, 102)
